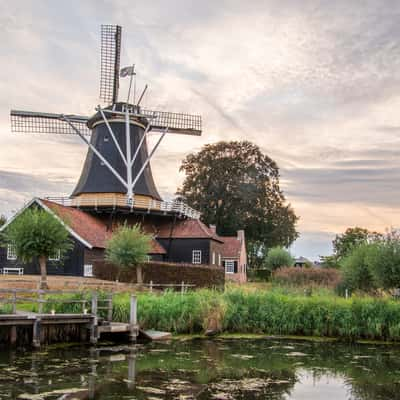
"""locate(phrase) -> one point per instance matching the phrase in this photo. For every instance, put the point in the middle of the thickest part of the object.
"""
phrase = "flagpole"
(130, 84)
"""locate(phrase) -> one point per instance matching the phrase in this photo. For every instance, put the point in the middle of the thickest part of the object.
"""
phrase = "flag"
(127, 71)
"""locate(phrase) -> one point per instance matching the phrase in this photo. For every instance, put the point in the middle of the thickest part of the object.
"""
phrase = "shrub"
(165, 272)
(356, 271)
(278, 257)
(128, 248)
(383, 261)
(328, 277)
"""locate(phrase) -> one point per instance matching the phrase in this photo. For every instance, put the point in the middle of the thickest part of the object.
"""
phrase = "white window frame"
(88, 270)
(213, 258)
(229, 266)
(219, 260)
(11, 254)
(56, 256)
(196, 256)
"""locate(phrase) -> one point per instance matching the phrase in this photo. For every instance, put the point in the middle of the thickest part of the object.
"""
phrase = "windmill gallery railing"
(138, 202)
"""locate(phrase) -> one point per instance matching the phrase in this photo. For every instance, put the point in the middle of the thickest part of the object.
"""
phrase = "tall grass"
(276, 311)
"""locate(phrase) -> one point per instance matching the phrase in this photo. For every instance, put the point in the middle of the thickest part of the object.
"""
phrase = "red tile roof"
(156, 248)
(85, 225)
(232, 246)
(88, 227)
(188, 228)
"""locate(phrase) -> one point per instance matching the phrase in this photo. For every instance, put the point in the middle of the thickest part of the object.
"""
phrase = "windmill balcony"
(114, 200)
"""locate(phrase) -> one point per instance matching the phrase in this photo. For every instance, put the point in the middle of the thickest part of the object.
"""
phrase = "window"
(88, 270)
(196, 257)
(11, 254)
(229, 267)
(56, 256)
(213, 258)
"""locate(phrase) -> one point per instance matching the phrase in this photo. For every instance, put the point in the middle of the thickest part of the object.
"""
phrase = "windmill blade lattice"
(185, 124)
(110, 63)
(38, 122)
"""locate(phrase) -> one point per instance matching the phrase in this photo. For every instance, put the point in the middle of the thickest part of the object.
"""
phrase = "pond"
(204, 369)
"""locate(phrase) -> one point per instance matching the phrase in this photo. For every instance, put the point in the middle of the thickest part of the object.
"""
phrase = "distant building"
(234, 257)
(302, 262)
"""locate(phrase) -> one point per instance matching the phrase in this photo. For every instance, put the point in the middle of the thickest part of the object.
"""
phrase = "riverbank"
(262, 312)
(273, 312)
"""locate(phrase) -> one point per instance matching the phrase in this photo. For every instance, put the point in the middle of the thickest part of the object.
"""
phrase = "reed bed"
(278, 311)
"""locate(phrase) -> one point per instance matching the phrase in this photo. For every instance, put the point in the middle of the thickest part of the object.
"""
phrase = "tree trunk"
(43, 273)
(139, 276)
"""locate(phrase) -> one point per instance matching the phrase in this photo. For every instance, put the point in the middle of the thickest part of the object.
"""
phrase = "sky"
(315, 84)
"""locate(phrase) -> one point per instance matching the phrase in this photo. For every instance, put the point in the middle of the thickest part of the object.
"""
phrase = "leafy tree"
(278, 257)
(352, 237)
(356, 270)
(38, 234)
(384, 263)
(3, 219)
(235, 186)
(128, 248)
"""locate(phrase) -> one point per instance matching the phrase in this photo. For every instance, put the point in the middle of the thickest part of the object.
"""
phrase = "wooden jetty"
(91, 324)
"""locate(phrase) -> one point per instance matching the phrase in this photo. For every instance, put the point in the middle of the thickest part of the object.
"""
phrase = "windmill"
(117, 166)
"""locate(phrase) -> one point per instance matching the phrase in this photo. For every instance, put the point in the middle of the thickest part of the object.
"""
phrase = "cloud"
(316, 86)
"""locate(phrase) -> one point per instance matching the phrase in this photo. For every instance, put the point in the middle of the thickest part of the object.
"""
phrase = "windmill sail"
(110, 63)
(185, 124)
(39, 122)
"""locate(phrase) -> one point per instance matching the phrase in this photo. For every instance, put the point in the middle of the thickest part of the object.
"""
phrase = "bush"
(384, 264)
(128, 249)
(356, 271)
(292, 276)
(278, 257)
(164, 272)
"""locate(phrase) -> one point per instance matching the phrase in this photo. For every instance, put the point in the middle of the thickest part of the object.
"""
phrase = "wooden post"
(93, 327)
(36, 333)
(151, 286)
(40, 307)
(13, 335)
(182, 288)
(131, 370)
(110, 307)
(14, 302)
(133, 319)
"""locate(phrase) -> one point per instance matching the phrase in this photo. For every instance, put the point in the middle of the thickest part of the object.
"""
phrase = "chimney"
(240, 235)
(213, 228)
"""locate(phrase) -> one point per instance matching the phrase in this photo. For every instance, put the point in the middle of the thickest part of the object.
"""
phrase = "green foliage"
(384, 263)
(128, 247)
(236, 186)
(278, 257)
(37, 233)
(356, 271)
(353, 237)
(3, 220)
(278, 311)
(329, 262)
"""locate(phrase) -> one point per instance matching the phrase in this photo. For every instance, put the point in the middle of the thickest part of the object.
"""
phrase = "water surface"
(204, 370)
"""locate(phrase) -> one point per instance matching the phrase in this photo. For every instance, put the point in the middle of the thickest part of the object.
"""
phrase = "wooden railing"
(89, 315)
(143, 203)
(183, 287)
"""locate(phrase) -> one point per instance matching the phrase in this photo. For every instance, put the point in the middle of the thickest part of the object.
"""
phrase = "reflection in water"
(205, 370)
